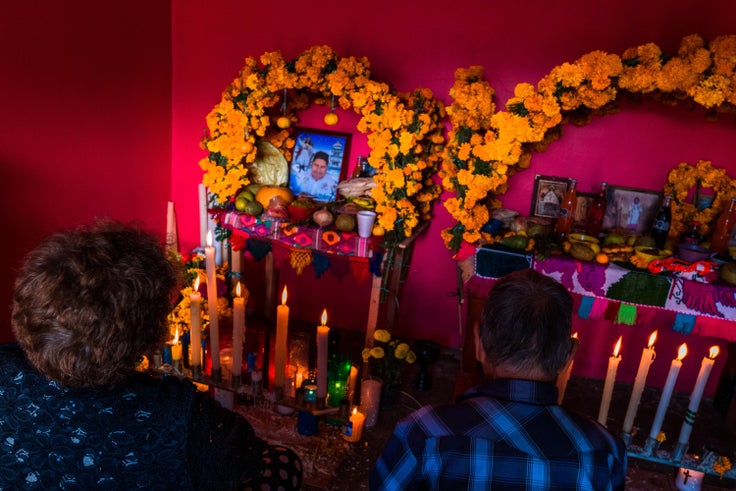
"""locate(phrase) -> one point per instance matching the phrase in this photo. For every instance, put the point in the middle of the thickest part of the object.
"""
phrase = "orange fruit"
(331, 119)
(283, 122)
(601, 258)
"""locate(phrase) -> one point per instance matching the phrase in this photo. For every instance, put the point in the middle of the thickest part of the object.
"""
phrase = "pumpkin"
(265, 193)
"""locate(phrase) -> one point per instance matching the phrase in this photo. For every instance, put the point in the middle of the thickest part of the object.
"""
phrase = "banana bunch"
(365, 202)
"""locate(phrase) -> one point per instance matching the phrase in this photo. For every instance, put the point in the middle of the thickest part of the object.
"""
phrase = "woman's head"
(88, 302)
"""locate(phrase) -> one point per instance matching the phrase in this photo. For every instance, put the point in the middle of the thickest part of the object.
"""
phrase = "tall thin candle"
(323, 333)
(209, 253)
(692, 409)
(564, 377)
(282, 333)
(664, 401)
(203, 225)
(647, 357)
(238, 329)
(613, 362)
(195, 327)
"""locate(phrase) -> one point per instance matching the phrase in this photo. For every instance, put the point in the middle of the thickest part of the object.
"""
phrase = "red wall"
(104, 106)
(85, 124)
(412, 46)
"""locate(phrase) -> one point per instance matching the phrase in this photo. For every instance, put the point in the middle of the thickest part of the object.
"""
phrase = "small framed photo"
(630, 209)
(548, 194)
(319, 163)
(582, 208)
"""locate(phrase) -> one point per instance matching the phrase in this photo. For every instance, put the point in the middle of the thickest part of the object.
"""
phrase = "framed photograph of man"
(319, 163)
(548, 194)
(630, 209)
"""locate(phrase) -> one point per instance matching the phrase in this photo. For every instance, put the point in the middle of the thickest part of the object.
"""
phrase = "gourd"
(265, 193)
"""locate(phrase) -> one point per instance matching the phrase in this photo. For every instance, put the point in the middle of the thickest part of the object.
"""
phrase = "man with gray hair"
(509, 432)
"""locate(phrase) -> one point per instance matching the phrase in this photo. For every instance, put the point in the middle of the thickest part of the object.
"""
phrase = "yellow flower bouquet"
(387, 356)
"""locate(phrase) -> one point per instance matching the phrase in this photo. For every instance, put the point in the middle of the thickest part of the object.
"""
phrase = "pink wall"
(411, 46)
(85, 126)
(104, 105)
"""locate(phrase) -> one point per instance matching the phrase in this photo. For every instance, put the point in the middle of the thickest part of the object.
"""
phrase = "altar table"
(613, 300)
(304, 244)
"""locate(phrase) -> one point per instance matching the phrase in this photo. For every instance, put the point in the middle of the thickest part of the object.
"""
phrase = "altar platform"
(330, 463)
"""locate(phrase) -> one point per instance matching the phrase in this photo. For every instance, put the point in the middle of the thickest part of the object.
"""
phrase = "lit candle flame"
(355, 411)
(237, 290)
(652, 339)
(196, 284)
(283, 296)
(714, 350)
(617, 348)
(324, 317)
(575, 335)
(209, 238)
(682, 352)
(176, 336)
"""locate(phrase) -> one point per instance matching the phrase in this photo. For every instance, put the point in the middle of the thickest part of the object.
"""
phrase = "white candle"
(669, 387)
(370, 399)
(352, 383)
(235, 264)
(692, 409)
(209, 253)
(195, 325)
(203, 225)
(172, 234)
(647, 357)
(563, 378)
(282, 333)
(323, 333)
(238, 329)
(613, 362)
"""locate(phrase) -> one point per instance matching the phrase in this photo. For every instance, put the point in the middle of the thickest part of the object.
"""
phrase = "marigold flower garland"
(486, 147)
(682, 179)
(404, 130)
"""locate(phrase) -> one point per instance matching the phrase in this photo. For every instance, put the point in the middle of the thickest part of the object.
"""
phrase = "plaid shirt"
(506, 434)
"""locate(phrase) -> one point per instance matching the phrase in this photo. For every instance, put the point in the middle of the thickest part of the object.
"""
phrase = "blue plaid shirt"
(505, 434)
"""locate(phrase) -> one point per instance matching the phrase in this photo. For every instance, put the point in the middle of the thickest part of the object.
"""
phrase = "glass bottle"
(662, 222)
(724, 227)
(596, 212)
(692, 236)
(359, 170)
(566, 215)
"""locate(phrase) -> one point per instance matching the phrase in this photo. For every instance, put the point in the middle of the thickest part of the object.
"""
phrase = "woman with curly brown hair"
(74, 413)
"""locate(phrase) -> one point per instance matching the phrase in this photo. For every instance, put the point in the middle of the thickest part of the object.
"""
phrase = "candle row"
(647, 358)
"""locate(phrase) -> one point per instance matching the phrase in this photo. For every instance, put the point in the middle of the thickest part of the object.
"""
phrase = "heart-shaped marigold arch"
(486, 146)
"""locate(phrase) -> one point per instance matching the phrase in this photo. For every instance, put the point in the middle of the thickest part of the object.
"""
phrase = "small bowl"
(651, 253)
(692, 252)
(299, 213)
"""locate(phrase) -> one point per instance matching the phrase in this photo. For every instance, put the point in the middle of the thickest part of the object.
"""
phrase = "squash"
(265, 193)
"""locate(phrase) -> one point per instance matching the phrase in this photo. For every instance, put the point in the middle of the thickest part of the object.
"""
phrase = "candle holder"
(196, 372)
(650, 446)
(678, 454)
(626, 437)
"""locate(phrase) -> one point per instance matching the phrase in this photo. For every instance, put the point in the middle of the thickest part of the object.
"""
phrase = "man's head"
(525, 328)
(319, 165)
(90, 301)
